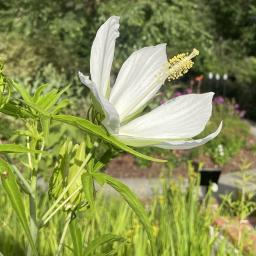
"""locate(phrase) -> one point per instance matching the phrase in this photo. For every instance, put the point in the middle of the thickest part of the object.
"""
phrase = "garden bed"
(126, 166)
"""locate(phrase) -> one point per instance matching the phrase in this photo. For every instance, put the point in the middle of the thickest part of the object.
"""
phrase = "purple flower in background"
(237, 106)
(238, 111)
(186, 91)
(219, 100)
(242, 113)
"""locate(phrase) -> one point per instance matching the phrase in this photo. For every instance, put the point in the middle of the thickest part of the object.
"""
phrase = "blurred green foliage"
(49, 41)
(232, 139)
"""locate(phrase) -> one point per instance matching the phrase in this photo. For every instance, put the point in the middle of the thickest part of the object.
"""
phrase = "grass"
(180, 221)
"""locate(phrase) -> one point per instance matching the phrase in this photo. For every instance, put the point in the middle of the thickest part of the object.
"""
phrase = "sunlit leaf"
(132, 200)
(104, 239)
(48, 100)
(11, 188)
(13, 109)
(76, 236)
(39, 91)
(23, 92)
(14, 148)
(45, 123)
(88, 188)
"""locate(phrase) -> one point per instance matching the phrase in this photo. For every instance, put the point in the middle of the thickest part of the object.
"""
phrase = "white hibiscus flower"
(171, 125)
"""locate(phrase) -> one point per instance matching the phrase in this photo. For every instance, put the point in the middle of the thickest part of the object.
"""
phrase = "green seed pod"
(69, 163)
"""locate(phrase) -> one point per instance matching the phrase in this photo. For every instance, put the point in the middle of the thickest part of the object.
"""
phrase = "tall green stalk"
(62, 239)
(33, 163)
(33, 211)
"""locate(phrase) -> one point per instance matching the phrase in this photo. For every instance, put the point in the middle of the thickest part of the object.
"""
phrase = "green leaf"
(104, 159)
(132, 200)
(88, 188)
(48, 100)
(23, 92)
(14, 148)
(104, 239)
(29, 100)
(76, 236)
(38, 92)
(11, 188)
(62, 104)
(45, 123)
(97, 130)
(60, 172)
(13, 109)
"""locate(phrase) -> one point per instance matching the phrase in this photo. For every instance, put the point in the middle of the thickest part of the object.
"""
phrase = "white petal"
(111, 121)
(189, 143)
(167, 144)
(139, 79)
(138, 141)
(102, 54)
(182, 117)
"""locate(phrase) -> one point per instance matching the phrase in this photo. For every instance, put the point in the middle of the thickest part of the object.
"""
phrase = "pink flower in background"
(238, 111)
(186, 91)
(219, 100)
(242, 113)
(237, 106)
(176, 94)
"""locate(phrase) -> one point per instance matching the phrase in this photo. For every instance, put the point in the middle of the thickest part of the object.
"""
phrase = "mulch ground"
(125, 166)
(241, 233)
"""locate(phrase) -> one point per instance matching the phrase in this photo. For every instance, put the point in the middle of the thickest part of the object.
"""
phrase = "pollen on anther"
(180, 64)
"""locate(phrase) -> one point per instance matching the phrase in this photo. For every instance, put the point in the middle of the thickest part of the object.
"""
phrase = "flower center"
(180, 64)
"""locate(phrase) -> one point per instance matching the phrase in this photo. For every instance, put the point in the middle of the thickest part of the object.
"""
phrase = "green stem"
(61, 205)
(62, 239)
(22, 179)
(33, 212)
(32, 199)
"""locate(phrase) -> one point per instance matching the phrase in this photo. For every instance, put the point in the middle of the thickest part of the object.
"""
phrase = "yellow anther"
(180, 64)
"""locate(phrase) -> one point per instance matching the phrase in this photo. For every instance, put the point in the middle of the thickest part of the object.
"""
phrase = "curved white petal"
(139, 79)
(111, 121)
(167, 144)
(102, 54)
(189, 143)
(137, 141)
(182, 117)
